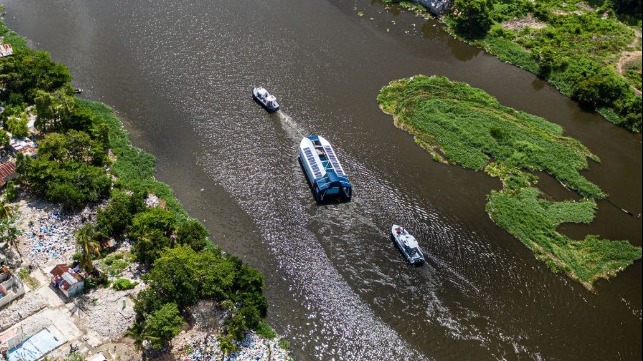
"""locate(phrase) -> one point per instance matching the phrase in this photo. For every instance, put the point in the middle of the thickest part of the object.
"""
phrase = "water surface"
(180, 75)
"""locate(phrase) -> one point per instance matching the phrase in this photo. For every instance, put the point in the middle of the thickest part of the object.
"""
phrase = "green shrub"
(122, 284)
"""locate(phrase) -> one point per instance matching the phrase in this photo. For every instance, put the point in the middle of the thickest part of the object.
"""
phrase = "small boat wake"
(294, 130)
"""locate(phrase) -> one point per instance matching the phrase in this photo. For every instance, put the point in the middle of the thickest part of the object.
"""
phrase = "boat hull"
(270, 108)
(407, 245)
(323, 171)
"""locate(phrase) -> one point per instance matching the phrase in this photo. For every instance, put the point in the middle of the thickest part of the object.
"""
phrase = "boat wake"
(294, 130)
(358, 292)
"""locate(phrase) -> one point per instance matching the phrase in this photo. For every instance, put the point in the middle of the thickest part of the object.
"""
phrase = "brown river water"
(180, 74)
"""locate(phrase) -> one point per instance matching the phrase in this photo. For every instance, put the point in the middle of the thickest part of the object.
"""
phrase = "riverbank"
(50, 233)
(461, 125)
(590, 53)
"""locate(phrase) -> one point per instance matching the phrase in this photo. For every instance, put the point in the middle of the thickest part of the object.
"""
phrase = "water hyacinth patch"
(463, 125)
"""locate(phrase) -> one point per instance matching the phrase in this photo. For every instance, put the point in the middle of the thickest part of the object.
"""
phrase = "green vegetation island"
(83, 161)
(589, 50)
(462, 125)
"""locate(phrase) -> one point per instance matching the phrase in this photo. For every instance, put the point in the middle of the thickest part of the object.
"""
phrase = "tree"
(216, 275)
(149, 246)
(174, 277)
(163, 325)
(6, 210)
(147, 301)
(73, 146)
(56, 177)
(192, 233)
(597, 85)
(114, 219)
(52, 108)
(151, 231)
(88, 245)
(26, 72)
(8, 231)
(4, 138)
(154, 218)
(136, 333)
(472, 17)
(17, 125)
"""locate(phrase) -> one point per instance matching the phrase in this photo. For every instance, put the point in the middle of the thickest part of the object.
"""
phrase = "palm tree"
(89, 246)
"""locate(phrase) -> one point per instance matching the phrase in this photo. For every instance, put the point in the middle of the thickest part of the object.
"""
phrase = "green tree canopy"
(473, 17)
(86, 240)
(52, 108)
(174, 277)
(114, 219)
(74, 146)
(163, 325)
(70, 184)
(192, 233)
(17, 125)
(4, 138)
(151, 231)
(26, 72)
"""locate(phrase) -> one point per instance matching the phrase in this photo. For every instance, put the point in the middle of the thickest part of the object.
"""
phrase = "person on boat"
(398, 230)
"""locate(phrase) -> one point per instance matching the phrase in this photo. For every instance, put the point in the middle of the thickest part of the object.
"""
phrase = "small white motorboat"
(407, 245)
(267, 100)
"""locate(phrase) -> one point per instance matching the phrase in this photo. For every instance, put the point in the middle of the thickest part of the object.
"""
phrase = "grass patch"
(632, 72)
(122, 284)
(115, 263)
(265, 330)
(27, 279)
(9, 37)
(466, 126)
(470, 128)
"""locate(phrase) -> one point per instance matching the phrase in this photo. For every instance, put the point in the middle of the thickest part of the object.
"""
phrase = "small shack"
(10, 287)
(6, 50)
(68, 281)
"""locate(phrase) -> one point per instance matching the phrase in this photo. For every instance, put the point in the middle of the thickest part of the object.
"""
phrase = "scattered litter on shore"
(47, 232)
(251, 348)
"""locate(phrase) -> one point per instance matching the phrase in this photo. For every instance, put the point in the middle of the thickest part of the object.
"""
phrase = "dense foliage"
(466, 126)
(533, 220)
(571, 44)
(68, 169)
(27, 72)
(472, 17)
(182, 276)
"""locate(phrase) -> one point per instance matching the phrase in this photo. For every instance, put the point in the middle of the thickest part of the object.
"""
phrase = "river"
(180, 76)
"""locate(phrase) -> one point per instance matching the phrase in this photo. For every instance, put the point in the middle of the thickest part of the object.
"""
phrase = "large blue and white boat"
(323, 170)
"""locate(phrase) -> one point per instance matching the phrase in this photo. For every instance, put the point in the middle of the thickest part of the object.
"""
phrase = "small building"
(68, 281)
(6, 50)
(10, 287)
(7, 172)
